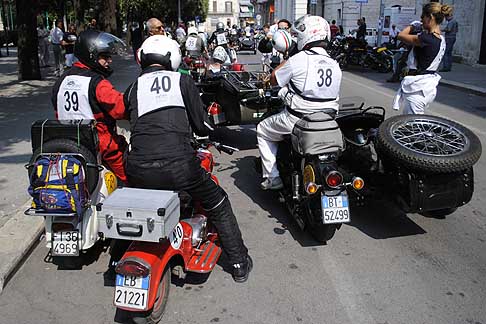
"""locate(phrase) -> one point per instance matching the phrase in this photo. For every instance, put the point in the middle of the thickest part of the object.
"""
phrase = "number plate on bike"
(65, 243)
(335, 209)
(131, 292)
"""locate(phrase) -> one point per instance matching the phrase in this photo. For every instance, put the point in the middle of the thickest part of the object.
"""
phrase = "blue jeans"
(447, 59)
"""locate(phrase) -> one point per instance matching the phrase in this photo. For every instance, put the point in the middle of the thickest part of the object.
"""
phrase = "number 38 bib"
(73, 98)
(158, 90)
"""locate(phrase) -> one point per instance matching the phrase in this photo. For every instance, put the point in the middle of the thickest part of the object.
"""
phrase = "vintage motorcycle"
(171, 235)
(330, 164)
(70, 231)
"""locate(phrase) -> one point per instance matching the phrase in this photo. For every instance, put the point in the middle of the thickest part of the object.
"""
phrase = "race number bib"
(73, 98)
(324, 79)
(191, 43)
(158, 90)
(221, 39)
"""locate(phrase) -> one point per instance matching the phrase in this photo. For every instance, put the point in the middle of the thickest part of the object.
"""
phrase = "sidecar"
(423, 163)
(240, 96)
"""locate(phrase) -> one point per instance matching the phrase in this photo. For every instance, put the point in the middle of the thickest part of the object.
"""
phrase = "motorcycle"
(70, 231)
(196, 67)
(179, 245)
(350, 51)
(331, 164)
(247, 43)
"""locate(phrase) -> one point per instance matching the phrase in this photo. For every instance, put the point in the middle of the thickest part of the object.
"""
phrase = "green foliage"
(164, 10)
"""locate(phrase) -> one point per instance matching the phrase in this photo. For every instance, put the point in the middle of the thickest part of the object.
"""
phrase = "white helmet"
(159, 49)
(220, 54)
(281, 41)
(310, 29)
(192, 30)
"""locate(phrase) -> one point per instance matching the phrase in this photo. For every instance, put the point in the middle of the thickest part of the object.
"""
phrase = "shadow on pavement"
(242, 137)
(379, 220)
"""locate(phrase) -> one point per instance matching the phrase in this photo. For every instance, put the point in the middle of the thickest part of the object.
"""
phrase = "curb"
(463, 86)
(17, 237)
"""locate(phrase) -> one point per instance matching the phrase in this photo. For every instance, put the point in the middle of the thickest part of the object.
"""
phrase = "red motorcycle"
(144, 272)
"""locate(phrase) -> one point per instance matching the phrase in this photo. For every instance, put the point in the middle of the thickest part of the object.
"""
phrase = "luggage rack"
(244, 80)
(42, 212)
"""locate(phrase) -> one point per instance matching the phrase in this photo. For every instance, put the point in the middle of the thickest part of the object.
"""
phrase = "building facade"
(225, 11)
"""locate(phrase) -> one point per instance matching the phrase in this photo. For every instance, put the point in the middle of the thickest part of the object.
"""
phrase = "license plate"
(131, 292)
(65, 243)
(335, 209)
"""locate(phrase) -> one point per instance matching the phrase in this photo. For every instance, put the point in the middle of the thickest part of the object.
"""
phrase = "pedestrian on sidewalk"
(68, 43)
(419, 88)
(42, 36)
(450, 31)
(334, 29)
(57, 36)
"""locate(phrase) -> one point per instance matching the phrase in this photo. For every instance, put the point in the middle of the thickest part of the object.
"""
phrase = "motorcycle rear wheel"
(154, 315)
(323, 232)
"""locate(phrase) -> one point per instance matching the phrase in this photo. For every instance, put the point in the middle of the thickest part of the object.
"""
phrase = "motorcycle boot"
(241, 271)
(223, 218)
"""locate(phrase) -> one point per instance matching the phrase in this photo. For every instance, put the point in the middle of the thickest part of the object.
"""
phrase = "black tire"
(62, 145)
(154, 315)
(439, 213)
(427, 143)
(385, 64)
(323, 233)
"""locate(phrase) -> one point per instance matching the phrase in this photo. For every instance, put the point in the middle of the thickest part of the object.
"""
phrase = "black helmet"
(91, 43)
(219, 26)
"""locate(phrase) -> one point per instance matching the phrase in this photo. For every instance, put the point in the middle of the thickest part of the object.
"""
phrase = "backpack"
(57, 184)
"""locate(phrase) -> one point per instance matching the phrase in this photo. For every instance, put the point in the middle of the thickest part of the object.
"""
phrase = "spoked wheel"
(154, 315)
(428, 143)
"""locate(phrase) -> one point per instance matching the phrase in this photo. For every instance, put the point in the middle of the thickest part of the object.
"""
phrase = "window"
(228, 7)
(215, 6)
(244, 9)
(339, 14)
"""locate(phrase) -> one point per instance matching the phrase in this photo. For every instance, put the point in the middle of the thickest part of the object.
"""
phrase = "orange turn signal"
(311, 188)
(358, 183)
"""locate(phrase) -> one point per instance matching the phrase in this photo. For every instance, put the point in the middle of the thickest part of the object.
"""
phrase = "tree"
(108, 16)
(27, 43)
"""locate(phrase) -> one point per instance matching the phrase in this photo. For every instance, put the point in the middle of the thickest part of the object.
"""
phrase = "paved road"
(384, 267)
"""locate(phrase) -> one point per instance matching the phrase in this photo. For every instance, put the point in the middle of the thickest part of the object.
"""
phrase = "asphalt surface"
(383, 267)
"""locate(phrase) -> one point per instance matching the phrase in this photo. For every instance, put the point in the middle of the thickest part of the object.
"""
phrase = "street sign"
(361, 1)
(258, 17)
(313, 2)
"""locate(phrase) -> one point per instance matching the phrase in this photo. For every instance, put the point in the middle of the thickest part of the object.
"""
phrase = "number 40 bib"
(158, 90)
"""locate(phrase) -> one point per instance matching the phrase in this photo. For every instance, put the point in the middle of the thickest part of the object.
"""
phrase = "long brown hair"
(437, 10)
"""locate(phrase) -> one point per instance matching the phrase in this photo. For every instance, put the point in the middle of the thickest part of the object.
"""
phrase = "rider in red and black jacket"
(84, 93)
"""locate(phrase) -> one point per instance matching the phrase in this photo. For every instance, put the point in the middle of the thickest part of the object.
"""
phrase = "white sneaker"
(272, 184)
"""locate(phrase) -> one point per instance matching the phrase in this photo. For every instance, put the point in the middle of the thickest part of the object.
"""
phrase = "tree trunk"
(79, 8)
(108, 16)
(28, 59)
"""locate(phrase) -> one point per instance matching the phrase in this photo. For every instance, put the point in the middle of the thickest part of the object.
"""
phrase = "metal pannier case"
(139, 214)
(317, 133)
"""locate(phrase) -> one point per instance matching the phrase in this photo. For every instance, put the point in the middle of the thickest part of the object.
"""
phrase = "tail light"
(62, 227)
(311, 188)
(334, 179)
(132, 268)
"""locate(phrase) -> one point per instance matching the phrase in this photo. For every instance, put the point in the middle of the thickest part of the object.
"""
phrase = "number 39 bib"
(73, 98)
(158, 90)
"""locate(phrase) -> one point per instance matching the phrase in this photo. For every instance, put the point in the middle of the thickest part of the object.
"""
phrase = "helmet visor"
(109, 44)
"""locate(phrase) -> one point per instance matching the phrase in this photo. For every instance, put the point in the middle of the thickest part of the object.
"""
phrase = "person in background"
(361, 32)
(136, 38)
(180, 33)
(334, 29)
(201, 32)
(93, 24)
(194, 45)
(394, 34)
(57, 36)
(155, 27)
(215, 65)
(42, 36)
(450, 30)
(68, 43)
(419, 88)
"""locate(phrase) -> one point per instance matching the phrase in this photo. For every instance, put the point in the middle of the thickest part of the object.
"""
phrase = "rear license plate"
(65, 243)
(131, 292)
(335, 209)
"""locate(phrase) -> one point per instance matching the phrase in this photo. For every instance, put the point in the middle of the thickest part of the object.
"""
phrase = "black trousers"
(187, 175)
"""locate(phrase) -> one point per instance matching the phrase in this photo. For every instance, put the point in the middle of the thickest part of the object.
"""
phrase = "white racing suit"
(416, 92)
(310, 82)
